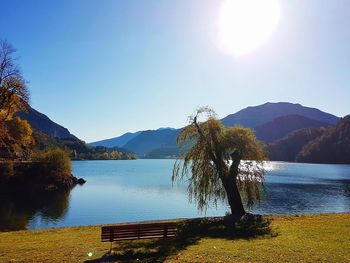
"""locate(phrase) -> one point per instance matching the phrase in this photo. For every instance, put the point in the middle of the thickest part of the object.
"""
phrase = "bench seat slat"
(142, 237)
(141, 234)
(143, 226)
(138, 231)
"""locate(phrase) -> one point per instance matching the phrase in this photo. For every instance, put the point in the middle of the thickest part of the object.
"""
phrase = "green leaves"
(208, 161)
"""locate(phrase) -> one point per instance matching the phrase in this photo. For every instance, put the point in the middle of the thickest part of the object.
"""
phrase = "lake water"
(123, 191)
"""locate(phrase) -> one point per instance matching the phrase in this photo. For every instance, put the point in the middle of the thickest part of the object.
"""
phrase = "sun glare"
(244, 25)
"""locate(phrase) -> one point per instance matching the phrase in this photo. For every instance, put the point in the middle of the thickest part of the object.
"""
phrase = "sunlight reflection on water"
(121, 191)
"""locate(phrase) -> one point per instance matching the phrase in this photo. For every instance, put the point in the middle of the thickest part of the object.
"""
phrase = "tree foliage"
(17, 141)
(14, 94)
(288, 148)
(15, 134)
(332, 146)
(79, 149)
(55, 164)
(222, 164)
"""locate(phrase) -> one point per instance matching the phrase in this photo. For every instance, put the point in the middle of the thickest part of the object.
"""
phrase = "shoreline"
(273, 216)
(178, 220)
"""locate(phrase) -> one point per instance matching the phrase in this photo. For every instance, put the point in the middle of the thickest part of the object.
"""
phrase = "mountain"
(288, 148)
(281, 126)
(253, 117)
(272, 121)
(331, 147)
(79, 149)
(150, 140)
(43, 124)
(116, 141)
(279, 123)
(48, 134)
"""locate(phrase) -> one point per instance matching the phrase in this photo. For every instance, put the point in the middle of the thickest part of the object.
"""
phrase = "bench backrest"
(138, 231)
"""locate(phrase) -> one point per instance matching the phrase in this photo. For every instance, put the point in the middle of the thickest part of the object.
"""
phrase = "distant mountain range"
(292, 132)
(271, 121)
(150, 140)
(117, 141)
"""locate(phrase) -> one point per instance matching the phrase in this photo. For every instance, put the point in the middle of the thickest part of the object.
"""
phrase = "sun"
(244, 25)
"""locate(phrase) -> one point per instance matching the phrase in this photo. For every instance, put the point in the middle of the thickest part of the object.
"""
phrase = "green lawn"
(311, 238)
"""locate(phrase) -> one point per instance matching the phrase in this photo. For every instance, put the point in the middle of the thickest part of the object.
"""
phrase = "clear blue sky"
(105, 67)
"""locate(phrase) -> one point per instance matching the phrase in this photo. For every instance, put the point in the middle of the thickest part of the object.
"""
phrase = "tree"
(20, 139)
(224, 163)
(15, 134)
(14, 94)
(55, 165)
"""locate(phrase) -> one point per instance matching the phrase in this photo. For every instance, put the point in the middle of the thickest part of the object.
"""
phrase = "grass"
(306, 238)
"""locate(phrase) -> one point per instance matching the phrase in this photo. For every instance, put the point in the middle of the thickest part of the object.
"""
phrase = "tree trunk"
(230, 184)
(233, 196)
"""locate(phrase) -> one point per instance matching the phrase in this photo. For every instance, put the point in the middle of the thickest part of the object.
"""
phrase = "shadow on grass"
(189, 232)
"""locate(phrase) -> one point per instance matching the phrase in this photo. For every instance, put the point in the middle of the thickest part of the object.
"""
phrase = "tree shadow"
(189, 233)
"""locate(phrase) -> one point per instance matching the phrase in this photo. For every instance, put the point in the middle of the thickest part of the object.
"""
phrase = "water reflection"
(17, 209)
(346, 187)
(294, 198)
(293, 188)
(121, 191)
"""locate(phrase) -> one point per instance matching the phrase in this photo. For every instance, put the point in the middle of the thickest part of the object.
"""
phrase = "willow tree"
(221, 164)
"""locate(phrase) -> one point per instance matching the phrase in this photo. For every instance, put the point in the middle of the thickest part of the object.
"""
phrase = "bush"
(53, 164)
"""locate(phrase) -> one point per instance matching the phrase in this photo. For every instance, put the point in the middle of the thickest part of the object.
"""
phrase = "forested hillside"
(333, 146)
(289, 147)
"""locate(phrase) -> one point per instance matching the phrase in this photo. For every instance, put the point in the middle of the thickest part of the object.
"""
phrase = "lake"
(124, 191)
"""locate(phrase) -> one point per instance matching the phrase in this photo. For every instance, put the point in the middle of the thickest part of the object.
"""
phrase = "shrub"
(53, 164)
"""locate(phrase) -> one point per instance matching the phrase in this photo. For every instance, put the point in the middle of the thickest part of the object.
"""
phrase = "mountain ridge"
(294, 137)
(254, 116)
(150, 140)
(118, 141)
(43, 123)
(281, 126)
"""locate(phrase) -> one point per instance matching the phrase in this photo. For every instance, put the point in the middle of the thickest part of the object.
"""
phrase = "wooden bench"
(138, 231)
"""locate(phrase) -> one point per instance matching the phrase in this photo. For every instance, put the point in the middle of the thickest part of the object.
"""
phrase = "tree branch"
(212, 155)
